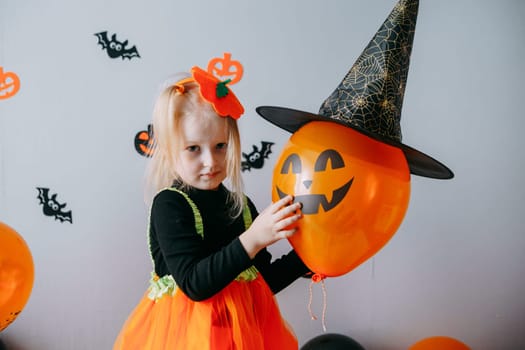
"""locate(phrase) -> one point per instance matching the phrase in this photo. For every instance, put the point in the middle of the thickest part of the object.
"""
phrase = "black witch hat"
(370, 97)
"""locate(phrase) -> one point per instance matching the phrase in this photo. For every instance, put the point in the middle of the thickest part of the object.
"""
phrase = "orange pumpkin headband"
(215, 91)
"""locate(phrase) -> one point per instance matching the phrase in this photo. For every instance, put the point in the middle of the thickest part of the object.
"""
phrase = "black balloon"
(332, 341)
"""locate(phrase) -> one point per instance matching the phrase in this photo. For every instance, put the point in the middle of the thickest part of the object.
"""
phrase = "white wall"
(455, 266)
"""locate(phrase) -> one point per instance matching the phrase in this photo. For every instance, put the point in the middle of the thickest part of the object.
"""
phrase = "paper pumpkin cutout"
(9, 84)
(16, 275)
(226, 68)
(144, 142)
(354, 190)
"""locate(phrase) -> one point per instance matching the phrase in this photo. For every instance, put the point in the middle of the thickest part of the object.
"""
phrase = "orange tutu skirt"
(243, 316)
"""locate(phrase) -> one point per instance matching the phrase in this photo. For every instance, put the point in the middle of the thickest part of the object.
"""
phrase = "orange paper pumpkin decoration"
(226, 68)
(439, 343)
(144, 142)
(354, 190)
(16, 275)
(9, 84)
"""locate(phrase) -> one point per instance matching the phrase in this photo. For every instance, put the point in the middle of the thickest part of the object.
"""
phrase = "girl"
(213, 279)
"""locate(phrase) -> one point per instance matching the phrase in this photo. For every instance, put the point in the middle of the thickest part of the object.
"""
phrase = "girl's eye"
(192, 148)
(222, 145)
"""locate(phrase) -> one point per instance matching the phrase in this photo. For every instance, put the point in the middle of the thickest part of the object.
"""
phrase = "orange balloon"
(354, 191)
(439, 343)
(16, 275)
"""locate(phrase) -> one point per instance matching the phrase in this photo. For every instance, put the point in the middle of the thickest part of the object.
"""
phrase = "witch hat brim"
(370, 97)
(292, 120)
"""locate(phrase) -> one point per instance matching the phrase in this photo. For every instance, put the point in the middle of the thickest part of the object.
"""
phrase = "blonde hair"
(171, 105)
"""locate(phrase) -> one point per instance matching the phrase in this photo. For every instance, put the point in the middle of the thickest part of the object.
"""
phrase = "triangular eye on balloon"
(144, 142)
(331, 155)
(292, 163)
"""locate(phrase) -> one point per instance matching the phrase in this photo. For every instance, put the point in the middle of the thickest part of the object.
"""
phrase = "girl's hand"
(275, 222)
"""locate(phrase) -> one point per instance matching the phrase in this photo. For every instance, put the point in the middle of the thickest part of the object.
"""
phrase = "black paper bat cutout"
(116, 48)
(51, 207)
(256, 158)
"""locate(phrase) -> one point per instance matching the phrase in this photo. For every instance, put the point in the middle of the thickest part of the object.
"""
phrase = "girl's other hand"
(275, 222)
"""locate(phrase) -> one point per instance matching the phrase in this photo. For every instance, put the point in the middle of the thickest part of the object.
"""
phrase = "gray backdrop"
(454, 267)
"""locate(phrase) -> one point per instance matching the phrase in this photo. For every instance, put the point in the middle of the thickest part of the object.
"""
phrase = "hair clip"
(179, 86)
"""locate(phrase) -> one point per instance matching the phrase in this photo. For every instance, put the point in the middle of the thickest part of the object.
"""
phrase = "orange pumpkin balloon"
(354, 191)
(16, 275)
(439, 343)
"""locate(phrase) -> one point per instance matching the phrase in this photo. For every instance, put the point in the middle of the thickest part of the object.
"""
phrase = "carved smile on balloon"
(312, 202)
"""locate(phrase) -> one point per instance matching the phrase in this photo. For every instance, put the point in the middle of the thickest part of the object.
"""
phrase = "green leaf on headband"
(222, 89)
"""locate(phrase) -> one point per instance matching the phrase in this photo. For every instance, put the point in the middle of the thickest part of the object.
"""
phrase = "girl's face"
(202, 157)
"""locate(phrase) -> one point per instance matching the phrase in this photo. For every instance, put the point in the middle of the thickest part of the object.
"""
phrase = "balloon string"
(315, 279)
(312, 316)
(324, 305)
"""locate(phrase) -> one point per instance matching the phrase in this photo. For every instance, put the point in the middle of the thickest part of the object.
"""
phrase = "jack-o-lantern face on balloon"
(311, 202)
(354, 191)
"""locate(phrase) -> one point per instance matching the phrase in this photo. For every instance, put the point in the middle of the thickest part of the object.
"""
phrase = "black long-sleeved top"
(202, 267)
